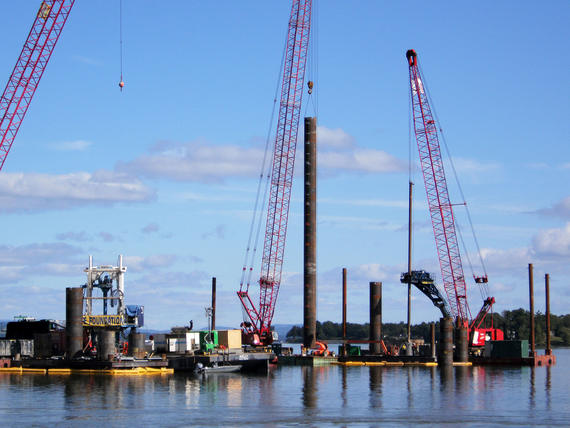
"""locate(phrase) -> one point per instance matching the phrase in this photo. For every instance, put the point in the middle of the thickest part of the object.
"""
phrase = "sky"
(165, 172)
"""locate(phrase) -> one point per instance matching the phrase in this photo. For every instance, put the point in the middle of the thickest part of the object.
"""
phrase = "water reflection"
(375, 386)
(409, 388)
(548, 386)
(532, 389)
(334, 395)
(343, 393)
(309, 388)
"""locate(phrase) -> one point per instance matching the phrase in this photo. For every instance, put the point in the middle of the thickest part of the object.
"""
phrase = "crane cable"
(313, 63)
(484, 285)
(256, 221)
(121, 82)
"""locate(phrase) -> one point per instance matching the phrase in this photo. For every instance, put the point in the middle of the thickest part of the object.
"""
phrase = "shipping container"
(229, 339)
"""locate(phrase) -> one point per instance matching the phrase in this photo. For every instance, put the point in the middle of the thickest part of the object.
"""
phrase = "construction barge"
(91, 342)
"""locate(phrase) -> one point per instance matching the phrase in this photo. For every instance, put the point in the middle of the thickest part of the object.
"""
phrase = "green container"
(208, 340)
(350, 350)
(509, 348)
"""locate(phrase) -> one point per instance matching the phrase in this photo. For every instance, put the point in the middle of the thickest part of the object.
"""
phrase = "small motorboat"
(216, 368)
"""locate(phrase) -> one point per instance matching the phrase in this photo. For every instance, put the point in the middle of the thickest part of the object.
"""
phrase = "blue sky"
(165, 172)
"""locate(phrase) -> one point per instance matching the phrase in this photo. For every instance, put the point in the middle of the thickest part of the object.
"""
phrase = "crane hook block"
(310, 84)
(121, 85)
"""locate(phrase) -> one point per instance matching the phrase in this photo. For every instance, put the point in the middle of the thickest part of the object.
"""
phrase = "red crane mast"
(281, 173)
(25, 77)
(440, 207)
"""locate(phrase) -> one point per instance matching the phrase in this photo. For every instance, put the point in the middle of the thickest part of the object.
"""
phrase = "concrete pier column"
(375, 316)
(445, 349)
(74, 321)
(461, 344)
(106, 348)
(310, 235)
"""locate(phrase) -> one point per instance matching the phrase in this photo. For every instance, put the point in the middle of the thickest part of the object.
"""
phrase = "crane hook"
(310, 84)
(121, 85)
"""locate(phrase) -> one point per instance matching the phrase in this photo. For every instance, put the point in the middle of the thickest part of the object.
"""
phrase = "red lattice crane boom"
(281, 173)
(440, 208)
(25, 77)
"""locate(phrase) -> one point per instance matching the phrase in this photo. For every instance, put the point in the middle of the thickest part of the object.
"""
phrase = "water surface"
(320, 396)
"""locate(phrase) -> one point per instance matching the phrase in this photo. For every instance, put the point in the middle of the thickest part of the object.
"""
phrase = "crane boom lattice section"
(282, 167)
(440, 208)
(25, 77)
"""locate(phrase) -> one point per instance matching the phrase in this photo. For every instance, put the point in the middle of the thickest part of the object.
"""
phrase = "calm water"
(335, 395)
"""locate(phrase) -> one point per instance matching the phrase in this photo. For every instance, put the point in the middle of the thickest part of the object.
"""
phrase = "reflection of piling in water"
(309, 387)
(446, 375)
(106, 347)
(74, 321)
(445, 354)
(344, 386)
(375, 380)
(462, 377)
(375, 317)
(432, 337)
(461, 344)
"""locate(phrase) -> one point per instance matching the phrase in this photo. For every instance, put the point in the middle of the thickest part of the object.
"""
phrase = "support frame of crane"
(441, 213)
(258, 326)
(33, 59)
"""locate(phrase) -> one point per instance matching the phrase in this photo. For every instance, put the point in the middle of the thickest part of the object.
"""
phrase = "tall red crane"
(441, 213)
(440, 208)
(260, 317)
(25, 77)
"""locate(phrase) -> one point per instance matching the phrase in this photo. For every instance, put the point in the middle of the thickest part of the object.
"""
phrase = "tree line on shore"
(515, 324)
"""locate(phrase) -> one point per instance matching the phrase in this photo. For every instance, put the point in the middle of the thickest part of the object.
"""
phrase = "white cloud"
(560, 209)
(197, 162)
(333, 138)
(506, 259)
(218, 232)
(108, 237)
(141, 264)
(474, 166)
(55, 259)
(208, 163)
(73, 236)
(553, 242)
(389, 203)
(150, 228)
(360, 160)
(77, 145)
(42, 192)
